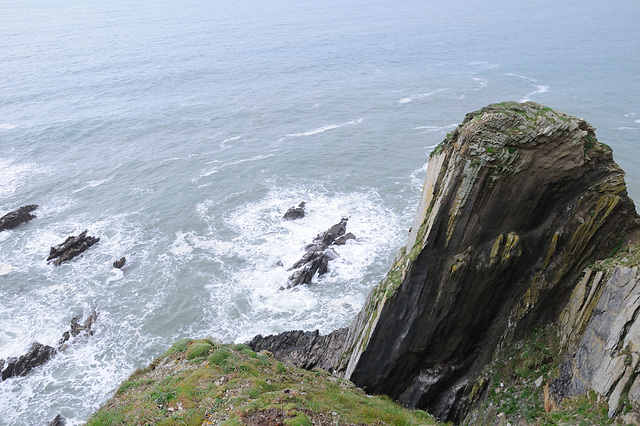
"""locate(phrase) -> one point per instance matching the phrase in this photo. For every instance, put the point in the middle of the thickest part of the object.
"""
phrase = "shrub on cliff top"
(199, 349)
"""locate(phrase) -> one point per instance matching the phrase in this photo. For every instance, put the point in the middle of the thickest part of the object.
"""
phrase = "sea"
(179, 133)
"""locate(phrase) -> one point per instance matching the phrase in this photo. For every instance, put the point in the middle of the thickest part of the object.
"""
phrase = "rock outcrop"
(58, 421)
(319, 253)
(39, 354)
(600, 329)
(295, 212)
(17, 217)
(119, 264)
(73, 246)
(518, 200)
(302, 349)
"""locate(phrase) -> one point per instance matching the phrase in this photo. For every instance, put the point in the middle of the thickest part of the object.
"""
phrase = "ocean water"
(180, 132)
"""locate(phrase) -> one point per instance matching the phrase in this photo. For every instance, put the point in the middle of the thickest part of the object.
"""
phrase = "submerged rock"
(518, 200)
(319, 253)
(17, 217)
(58, 421)
(119, 264)
(71, 247)
(295, 212)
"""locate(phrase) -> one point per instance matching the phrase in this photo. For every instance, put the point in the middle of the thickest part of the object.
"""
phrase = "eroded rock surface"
(319, 253)
(303, 349)
(119, 264)
(71, 247)
(17, 217)
(37, 355)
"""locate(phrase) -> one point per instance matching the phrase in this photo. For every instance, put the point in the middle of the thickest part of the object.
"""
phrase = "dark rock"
(295, 212)
(120, 263)
(318, 255)
(37, 355)
(76, 328)
(16, 217)
(340, 241)
(71, 247)
(303, 349)
(58, 421)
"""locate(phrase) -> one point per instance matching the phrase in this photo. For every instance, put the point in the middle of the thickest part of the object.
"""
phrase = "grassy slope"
(201, 382)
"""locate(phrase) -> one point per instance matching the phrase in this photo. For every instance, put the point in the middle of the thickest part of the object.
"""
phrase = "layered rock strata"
(517, 201)
(303, 349)
(600, 333)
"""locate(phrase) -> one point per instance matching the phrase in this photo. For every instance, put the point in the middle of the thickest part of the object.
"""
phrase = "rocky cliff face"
(517, 201)
(600, 333)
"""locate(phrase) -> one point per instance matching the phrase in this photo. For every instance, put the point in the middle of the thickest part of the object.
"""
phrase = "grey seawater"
(179, 133)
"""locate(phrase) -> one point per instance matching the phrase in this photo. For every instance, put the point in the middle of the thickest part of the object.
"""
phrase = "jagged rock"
(340, 241)
(304, 349)
(318, 255)
(37, 355)
(76, 328)
(16, 217)
(119, 264)
(71, 247)
(58, 421)
(295, 212)
(517, 201)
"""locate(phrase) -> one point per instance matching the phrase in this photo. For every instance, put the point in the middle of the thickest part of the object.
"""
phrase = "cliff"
(518, 200)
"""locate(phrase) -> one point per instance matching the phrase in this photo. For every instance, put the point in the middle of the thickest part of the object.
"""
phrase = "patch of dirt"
(267, 417)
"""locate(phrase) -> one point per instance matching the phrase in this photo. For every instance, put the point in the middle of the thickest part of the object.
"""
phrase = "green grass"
(234, 385)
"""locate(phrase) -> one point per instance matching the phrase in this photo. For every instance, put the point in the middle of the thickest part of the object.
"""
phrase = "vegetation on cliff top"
(202, 382)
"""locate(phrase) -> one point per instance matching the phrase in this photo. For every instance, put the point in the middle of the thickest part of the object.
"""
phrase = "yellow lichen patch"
(605, 205)
(552, 250)
(496, 246)
(476, 389)
(495, 249)
(511, 247)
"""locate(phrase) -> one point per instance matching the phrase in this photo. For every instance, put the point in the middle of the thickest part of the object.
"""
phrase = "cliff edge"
(518, 200)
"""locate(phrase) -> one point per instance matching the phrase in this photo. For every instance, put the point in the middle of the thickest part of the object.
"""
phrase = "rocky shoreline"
(519, 282)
